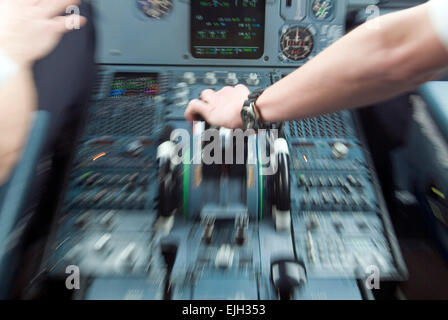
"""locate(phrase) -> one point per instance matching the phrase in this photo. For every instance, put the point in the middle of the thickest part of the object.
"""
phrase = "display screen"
(134, 84)
(227, 29)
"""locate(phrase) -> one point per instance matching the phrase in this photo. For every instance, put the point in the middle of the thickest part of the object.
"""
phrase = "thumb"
(196, 107)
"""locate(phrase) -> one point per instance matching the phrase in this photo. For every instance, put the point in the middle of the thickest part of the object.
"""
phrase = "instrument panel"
(241, 32)
(111, 225)
(136, 223)
(227, 29)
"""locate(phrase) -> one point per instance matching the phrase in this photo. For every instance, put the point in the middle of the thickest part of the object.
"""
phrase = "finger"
(64, 24)
(196, 107)
(27, 2)
(54, 8)
(208, 95)
(32, 2)
(243, 89)
(226, 89)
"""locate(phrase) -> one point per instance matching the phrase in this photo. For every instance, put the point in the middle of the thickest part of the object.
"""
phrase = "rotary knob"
(181, 89)
(340, 150)
(181, 94)
(253, 79)
(189, 78)
(210, 78)
(231, 79)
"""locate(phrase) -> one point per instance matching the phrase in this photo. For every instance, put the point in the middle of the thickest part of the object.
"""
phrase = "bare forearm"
(364, 67)
(17, 102)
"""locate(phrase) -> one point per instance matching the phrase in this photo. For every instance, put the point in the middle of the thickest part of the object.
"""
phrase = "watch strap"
(250, 108)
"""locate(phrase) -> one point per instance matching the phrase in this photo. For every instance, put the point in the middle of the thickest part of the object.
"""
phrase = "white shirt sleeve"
(438, 13)
(7, 68)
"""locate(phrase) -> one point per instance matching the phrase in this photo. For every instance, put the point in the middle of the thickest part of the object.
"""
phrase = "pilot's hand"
(31, 29)
(221, 108)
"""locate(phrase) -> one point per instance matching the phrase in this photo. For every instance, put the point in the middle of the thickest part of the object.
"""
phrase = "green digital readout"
(227, 29)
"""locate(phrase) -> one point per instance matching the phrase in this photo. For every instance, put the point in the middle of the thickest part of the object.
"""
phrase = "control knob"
(224, 257)
(340, 150)
(181, 88)
(189, 78)
(210, 78)
(181, 94)
(253, 79)
(287, 276)
(231, 79)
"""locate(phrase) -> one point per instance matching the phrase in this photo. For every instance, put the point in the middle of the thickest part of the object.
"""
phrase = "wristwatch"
(7, 68)
(249, 116)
